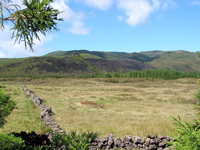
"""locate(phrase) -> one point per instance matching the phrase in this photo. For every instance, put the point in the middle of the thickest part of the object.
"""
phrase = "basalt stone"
(147, 142)
(157, 140)
(111, 142)
(100, 145)
(127, 139)
(46, 112)
(111, 136)
(142, 141)
(136, 140)
(118, 142)
(149, 136)
(139, 146)
(152, 141)
(102, 140)
(153, 136)
(134, 145)
(94, 143)
(162, 144)
(106, 138)
(168, 138)
(97, 139)
(152, 147)
(161, 137)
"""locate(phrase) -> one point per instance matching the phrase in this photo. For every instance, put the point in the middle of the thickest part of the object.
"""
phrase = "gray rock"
(117, 142)
(127, 139)
(152, 141)
(140, 146)
(111, 142)
(100, 145)
(158, 140)
(162, 144)
(147, 142)
(152, 147)
(161, 137)
(136, 140)
(94, 143)
(168, 138)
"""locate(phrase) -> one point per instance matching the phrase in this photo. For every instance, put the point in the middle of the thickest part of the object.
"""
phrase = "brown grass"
(128, 107)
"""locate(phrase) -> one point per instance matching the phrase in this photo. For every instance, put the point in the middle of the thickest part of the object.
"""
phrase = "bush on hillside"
(6, 106)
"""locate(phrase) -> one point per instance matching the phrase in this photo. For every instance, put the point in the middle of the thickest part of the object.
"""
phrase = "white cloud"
(9, 50)
(168, 3)
(100, 4)
(138, 11)
(2, 54)
(120, 18)
(78, 28)
(69, 16)
(195, 3)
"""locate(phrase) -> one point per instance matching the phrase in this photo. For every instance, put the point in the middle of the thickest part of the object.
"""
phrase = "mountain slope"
(48, 66)
(82, 62)
(175, 60)
(130, 65)
(100, 55)
(135, 56)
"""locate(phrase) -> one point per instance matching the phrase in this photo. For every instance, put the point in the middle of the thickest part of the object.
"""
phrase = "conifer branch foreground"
(37, 17)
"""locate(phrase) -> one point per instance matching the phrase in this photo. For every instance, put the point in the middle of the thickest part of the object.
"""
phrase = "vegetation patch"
(92, 104)
(128, 107)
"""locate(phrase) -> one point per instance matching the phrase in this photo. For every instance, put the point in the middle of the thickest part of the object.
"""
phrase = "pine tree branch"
(7, 6)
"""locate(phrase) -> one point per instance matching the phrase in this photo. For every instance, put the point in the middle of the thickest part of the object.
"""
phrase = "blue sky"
(116, 25)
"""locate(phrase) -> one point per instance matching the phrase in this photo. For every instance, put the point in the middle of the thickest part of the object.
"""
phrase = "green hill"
(81, 62)
(48, 66)
(136, 56)
(174, 60)
(5, 61)
(85, 54)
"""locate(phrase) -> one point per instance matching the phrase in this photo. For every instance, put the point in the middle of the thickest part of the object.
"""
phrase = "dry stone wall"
(108, 142)
(149, 143)
(46, 114)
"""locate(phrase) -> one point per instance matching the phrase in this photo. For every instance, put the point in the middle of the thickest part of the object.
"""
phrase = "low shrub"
(9, 142)
(73, 141)
(188, 135)
(112, 81)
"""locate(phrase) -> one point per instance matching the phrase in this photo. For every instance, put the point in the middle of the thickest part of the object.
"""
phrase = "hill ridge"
(83, 62)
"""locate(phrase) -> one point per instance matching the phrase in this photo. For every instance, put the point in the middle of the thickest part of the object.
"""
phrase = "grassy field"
(25, 117)
(127, 107)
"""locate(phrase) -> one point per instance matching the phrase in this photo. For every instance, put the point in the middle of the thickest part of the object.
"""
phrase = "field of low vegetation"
(117, 106)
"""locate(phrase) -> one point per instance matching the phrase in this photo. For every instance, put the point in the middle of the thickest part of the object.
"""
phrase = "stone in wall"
(149, 143)
(46, 112)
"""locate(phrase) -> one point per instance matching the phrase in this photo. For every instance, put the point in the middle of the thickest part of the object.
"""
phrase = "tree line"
(147, 74)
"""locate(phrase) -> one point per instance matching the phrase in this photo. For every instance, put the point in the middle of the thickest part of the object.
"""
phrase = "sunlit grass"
(128, 107)
(25, 116)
